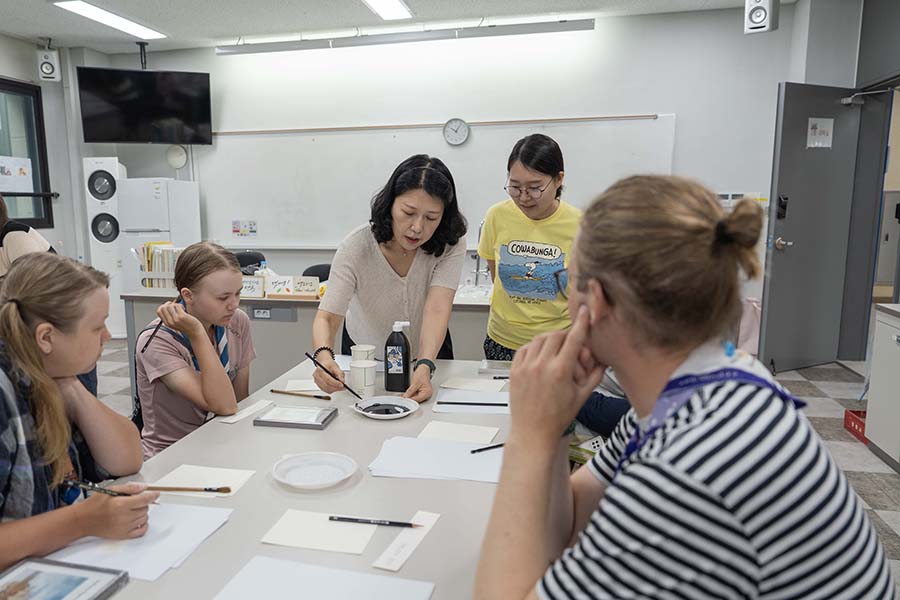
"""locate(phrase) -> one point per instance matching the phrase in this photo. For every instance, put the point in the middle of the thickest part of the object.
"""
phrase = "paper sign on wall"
(15, 174)
(254, 287)
(819, 132)
(243, 229)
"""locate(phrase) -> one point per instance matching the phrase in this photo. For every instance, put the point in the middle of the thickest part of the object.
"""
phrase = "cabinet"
(883, 417)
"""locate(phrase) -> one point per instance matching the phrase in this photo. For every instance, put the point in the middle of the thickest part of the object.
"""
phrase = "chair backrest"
(250, 260)
(320, 271)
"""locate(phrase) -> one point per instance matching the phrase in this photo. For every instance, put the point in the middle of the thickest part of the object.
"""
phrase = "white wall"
(799, 41)
(18, 59)
(833, 42)
(720, 83)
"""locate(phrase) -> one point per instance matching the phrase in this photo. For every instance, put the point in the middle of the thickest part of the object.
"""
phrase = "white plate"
(313, 470)
(412, 405)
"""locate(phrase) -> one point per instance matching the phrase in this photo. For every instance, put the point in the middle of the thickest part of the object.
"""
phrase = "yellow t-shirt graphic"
(525, 301)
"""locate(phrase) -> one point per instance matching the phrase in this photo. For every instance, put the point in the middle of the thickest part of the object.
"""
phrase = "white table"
(447, 556)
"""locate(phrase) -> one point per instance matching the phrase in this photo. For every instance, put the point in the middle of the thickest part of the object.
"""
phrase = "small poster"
(283, 284)
(15, 174)
(243, 229)
(306, 285)
(819, 132)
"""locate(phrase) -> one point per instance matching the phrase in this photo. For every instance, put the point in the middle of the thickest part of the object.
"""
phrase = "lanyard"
(221, 345)
(679, 391)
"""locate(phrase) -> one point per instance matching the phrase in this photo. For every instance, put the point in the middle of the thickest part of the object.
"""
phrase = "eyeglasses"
(534, 193)
(561, 278)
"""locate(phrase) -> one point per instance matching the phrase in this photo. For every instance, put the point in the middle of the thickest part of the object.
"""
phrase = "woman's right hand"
(118, 517)
(325, 382)
(175, 317)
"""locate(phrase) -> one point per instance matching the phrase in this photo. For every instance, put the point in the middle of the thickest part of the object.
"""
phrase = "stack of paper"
(205, 477)
(284, 579)
(304, 529)
(175, 531)
(458, 432)
(466, 401)
(246, 411)
(474, 385)
(417, 458)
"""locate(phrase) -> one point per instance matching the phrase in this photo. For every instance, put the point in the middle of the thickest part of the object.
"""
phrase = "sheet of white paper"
(276, 579)
(476, 400)
(344, 360)
(474, 385)
(405, 543)
(246, 412)
(197, 476)
(302, 385)
(303, 529)
(436, 459)
(176, 530)
(458, 432)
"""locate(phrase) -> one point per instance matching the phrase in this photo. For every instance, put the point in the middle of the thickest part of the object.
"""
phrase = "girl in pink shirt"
(199, 361)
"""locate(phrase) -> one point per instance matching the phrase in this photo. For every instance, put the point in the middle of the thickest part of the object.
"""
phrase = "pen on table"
(156, 329)
(372, 521)
(484, 448)
(318, 364)
(501, 376)
(301, 394)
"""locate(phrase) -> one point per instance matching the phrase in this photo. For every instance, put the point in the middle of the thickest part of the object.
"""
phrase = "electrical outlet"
(594, 444)
(262, 313)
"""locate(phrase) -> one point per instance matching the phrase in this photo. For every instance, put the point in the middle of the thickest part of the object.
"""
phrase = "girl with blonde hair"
(52, 327)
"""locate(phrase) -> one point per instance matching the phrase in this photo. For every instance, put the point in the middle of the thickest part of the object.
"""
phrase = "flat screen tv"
(144, 107)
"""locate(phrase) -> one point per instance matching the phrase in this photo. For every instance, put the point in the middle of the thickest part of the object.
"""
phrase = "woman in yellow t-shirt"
(526, 241)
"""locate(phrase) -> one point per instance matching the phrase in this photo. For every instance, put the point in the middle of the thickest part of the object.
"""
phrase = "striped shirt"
(735, 496)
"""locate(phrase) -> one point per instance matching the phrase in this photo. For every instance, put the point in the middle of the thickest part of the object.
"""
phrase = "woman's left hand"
(420, 388)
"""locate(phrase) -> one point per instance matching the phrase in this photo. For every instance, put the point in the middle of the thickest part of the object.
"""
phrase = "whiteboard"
(309, 189)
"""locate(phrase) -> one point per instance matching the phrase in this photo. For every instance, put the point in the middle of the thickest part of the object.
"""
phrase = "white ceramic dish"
(313, 470)
(411, 406)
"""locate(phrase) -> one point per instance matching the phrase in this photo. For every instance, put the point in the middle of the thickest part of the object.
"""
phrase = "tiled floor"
(827, 390)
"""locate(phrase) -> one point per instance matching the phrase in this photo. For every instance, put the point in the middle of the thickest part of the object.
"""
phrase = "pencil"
(373, 521)
(156, 329)
(318, 364)
(484, 448)
(301, 394)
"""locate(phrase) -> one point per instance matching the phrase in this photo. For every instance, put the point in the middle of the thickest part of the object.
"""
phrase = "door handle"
(781, 244)
(897, 338)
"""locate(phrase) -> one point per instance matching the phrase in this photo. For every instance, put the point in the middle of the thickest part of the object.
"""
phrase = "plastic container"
(396, 359)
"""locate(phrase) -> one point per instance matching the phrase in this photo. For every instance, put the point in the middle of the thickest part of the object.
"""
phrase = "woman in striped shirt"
(714, 484)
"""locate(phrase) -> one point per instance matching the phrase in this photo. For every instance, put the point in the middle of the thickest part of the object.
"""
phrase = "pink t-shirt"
(169, 417)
